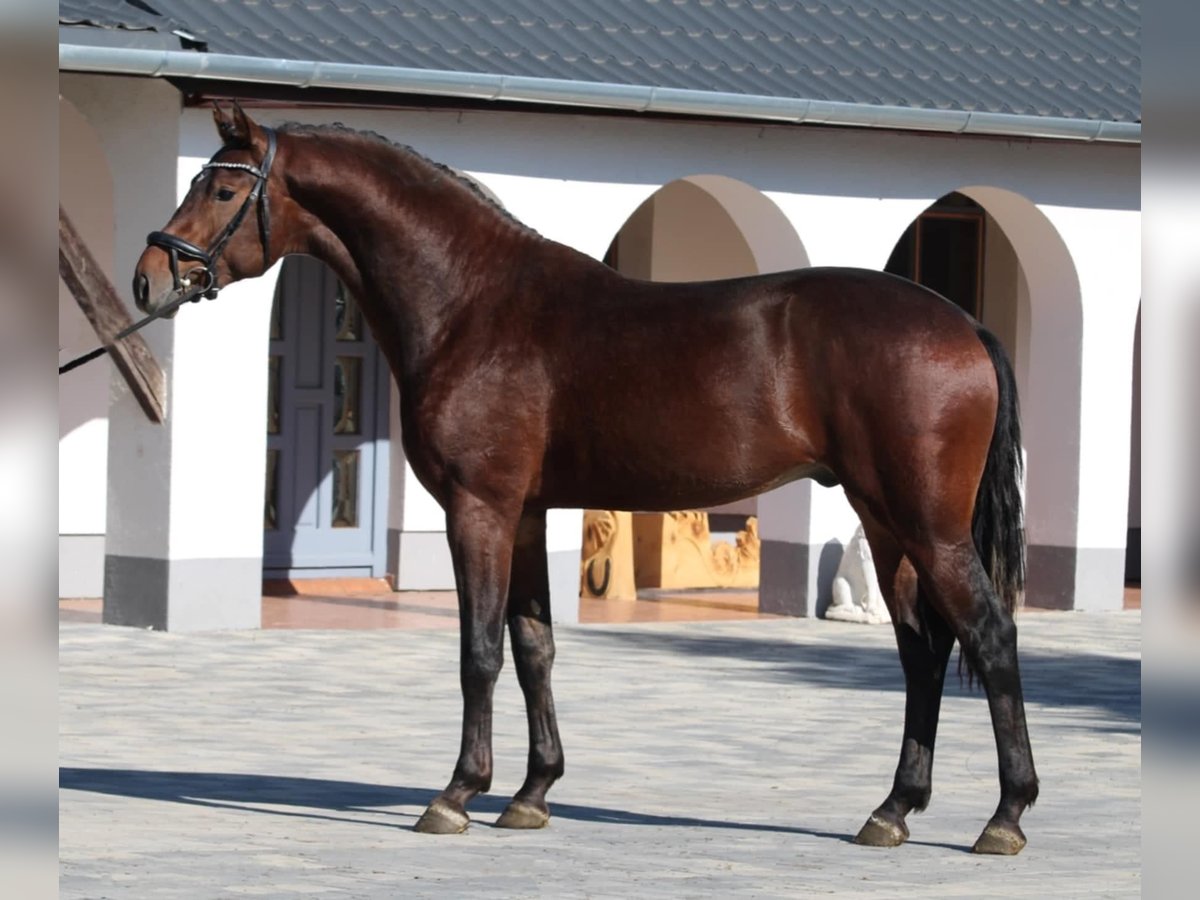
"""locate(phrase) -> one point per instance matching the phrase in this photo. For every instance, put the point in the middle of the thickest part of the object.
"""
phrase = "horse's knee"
(482, 667)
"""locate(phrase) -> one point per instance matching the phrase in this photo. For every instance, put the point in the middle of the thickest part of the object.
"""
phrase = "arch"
(1036, 309)
(708, 226)
(768, 233)
(86, 195)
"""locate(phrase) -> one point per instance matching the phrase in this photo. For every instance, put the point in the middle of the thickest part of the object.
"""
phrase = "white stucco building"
(167, 521)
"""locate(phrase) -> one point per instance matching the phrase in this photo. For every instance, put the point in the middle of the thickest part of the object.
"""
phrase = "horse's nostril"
(141, 290)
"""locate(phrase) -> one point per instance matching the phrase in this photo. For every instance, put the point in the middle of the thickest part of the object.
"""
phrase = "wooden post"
(103, 307)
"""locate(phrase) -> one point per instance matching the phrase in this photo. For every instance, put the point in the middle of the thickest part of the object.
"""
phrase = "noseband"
(176, 247)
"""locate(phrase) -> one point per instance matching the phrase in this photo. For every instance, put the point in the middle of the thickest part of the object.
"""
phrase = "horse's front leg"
(481, 545)
(533, 652)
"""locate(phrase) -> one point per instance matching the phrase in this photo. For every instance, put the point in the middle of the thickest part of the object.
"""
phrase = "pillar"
(183, 549)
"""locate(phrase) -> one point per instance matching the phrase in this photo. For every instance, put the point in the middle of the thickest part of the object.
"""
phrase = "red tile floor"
(367, 603)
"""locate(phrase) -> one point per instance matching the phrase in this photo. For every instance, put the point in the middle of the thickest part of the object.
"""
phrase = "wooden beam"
(104, 309)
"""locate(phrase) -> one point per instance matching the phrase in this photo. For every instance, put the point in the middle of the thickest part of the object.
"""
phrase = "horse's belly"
(683, 472)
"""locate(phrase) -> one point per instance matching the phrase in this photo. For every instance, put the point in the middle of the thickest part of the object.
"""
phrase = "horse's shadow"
(317, 798)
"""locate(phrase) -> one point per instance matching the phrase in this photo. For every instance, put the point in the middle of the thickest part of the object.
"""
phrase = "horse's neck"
(416, 259)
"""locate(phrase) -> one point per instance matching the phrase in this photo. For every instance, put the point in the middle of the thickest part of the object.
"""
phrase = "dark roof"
(1063, 58)
(128, 15)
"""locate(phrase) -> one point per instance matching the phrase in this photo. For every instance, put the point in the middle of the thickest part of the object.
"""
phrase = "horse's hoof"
(523, 815)
(879, 832)
(442, 818)
(1004, 840)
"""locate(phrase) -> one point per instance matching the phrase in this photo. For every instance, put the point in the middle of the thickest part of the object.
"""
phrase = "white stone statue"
(856, 596)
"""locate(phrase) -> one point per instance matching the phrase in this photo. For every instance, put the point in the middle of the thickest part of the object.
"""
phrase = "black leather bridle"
(176, 247)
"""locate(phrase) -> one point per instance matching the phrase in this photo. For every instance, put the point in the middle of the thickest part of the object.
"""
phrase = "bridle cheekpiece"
(176, 247)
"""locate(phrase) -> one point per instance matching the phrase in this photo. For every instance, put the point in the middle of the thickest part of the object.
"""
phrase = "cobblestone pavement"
(705, 759)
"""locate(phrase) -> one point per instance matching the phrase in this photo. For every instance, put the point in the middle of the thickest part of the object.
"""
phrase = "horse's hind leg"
(533, 652)
(962, 592)
(924, 641)
(481, 545)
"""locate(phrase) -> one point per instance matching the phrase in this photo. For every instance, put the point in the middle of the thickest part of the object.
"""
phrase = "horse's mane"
(337, 129)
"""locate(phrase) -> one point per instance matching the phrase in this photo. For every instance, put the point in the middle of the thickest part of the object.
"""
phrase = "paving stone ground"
(703, 760)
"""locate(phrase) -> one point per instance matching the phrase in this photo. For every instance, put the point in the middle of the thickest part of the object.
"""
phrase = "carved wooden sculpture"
(676, 550)
(607, 569)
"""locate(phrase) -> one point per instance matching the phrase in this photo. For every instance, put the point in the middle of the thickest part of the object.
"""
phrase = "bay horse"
(534, 377)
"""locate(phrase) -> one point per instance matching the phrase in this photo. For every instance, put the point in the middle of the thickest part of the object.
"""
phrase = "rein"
(190, 296)
(177, 246)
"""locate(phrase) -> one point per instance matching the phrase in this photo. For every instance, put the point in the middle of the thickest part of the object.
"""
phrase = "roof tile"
(1034, 57)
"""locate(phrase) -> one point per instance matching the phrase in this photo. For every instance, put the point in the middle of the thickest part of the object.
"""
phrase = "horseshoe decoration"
(591, 582)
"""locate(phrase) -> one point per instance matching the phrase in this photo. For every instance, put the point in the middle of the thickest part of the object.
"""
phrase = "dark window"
(943, 250)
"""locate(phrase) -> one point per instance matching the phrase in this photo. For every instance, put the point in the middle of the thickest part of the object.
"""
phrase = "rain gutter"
(585, 94)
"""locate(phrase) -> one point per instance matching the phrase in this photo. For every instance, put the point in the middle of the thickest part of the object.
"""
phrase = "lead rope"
(191, 296)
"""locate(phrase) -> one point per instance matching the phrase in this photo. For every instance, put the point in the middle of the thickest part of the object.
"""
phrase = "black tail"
(998, 526)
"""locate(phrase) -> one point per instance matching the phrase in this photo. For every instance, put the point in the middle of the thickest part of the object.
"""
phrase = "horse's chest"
(469, 428)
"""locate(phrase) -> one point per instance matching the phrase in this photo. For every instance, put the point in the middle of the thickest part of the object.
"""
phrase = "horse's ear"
(234, 126)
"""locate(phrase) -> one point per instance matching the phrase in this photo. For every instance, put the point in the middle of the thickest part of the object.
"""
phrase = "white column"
(1105, 246)
(564, 544)
(185, 498)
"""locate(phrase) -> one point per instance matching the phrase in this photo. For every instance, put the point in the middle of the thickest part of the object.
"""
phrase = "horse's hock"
(668, 551)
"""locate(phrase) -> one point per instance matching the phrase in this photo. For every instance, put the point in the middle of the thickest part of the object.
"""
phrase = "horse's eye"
(224, 194)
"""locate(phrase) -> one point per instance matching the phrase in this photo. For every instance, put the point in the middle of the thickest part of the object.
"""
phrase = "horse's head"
(222, 231)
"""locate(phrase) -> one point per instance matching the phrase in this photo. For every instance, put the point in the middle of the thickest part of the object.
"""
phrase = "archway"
(702, 227)
(86, 195)
(706, 227)
(1021, 282)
